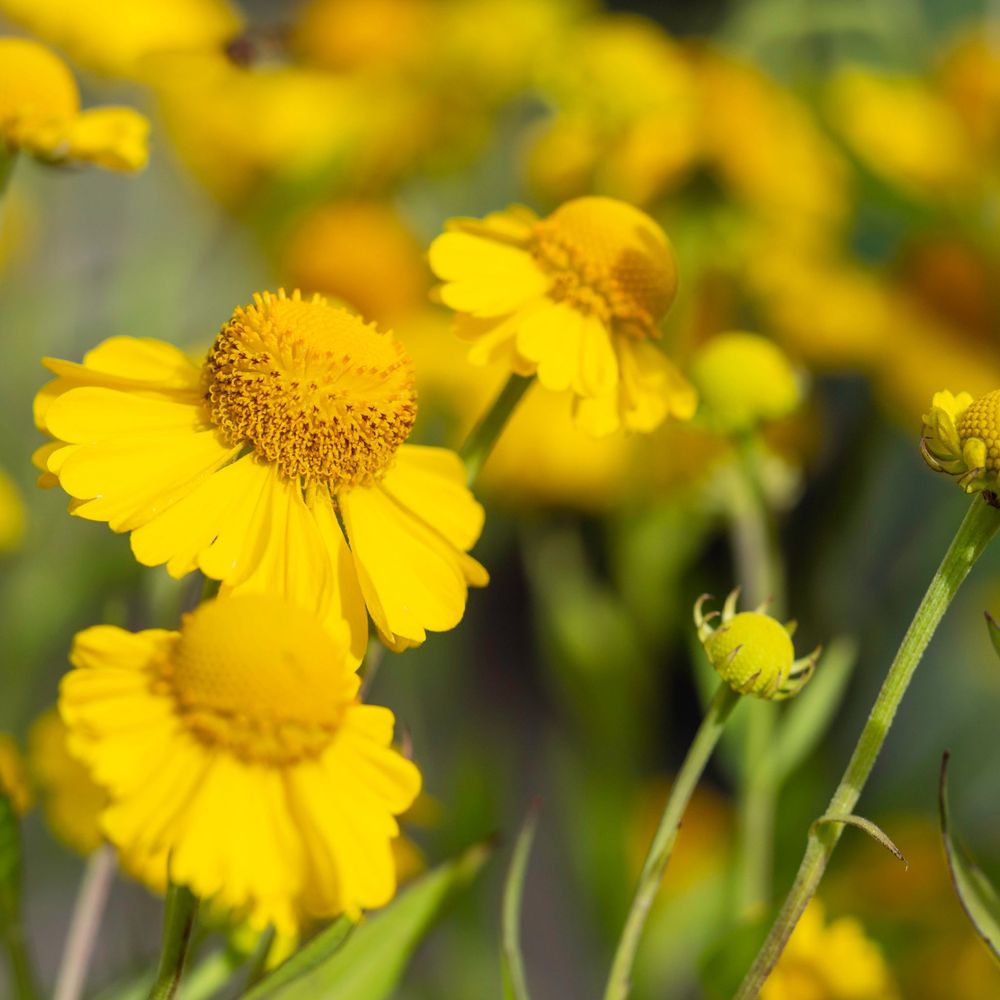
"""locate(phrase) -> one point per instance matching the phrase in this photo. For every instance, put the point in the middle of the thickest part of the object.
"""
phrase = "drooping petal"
(652, 386)
(552, 338)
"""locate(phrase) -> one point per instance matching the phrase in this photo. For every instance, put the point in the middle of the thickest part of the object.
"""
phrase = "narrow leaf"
(994, 632)
(312, 954)
(515, 984)
(372, 961)
(975, 891)
(873, 830)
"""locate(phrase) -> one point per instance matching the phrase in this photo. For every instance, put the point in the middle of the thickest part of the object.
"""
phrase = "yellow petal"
(431, 483)
(598, 373)
(552, 338)
(652, 387)
(114, 138)
(93, 413)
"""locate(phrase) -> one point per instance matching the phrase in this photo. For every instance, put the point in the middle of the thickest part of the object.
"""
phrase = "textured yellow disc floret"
(752, 652)
(981, 422)
(36, 87)
(312, 388)
(609, 259)
(256, 675)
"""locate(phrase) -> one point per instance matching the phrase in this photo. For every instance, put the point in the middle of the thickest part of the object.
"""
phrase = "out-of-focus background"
(829, 175)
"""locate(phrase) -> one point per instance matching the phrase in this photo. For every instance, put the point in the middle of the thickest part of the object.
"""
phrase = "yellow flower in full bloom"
(752, 652)
(830, 961)
(253, 465)
(238, 745)
(70, 800)
(576, 298)
(743, 380)
(14, 781)
(40, 113)
(115, 36)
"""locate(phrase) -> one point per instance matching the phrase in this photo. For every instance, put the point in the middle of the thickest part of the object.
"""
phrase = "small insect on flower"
(961, 436)
(753, 652)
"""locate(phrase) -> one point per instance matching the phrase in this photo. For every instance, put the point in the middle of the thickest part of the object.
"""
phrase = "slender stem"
(485, 434)
(760, 572)
(179, 915)
(974, 534)
(22, 971)
(86, 922)
(8, 158)
(704, 742)
(12, 934)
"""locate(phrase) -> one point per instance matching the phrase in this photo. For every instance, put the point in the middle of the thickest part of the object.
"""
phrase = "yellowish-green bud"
(753, 652)
(961, 436)
(743, 380)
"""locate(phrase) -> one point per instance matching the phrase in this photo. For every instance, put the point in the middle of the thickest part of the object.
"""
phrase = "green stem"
(485, 434)
(974, 534)
(21, 968)
(7, 160)
(180, 913)
(760, 572)
(704, 742)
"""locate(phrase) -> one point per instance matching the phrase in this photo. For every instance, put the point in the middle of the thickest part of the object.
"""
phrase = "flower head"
(830, 961)
(40, 113)
(961, 436)
(238, 747)
(576, 297)
(253, 466)
(752, 651)
(743, 380)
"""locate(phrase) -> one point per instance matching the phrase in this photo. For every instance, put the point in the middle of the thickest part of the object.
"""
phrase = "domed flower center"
(609, 259)
(751, 650)
(36, 87)
(312, 388)
(260, 678)
(982, 421)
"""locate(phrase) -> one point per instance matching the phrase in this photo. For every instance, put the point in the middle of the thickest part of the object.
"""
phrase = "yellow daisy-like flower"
(253, 466)
(830, 961)
(961, 437)
(14, 781)
(239, 747)
(576, 298)
(40, 113)
(753, 652)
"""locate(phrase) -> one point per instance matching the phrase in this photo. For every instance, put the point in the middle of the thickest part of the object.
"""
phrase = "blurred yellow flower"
(40, 113)
(362, 253)
(576, 298)
(969, 78)
(254, 465)
(902, 130)
(239, 746)
(752, 652)
(70, 800)
(13, 518)
(114, 36)
(14, 782)
(743, 380)
(830, 961)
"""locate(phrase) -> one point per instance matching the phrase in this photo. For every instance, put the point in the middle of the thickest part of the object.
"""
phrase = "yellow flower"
(902, 130)
(40, 113)
(70, 800)
(575, 298)
(362, 253)
(743, 380)
(239, 746)
(12, 515)
(832, 961)
(961, 437)
(752, 652)
(14, 781)
(248, 466)
(115, 36)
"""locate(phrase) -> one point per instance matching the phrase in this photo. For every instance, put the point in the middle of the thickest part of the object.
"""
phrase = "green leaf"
(975, 891)
(10, 860)
(311, 955)
(994, 631)
(515, 984)
(369, 965)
